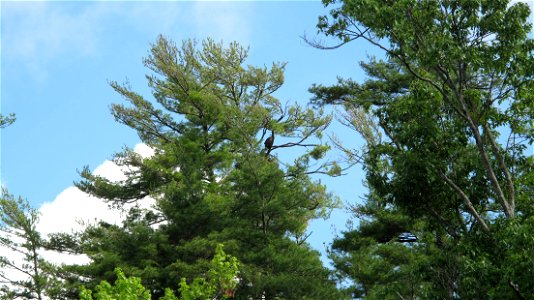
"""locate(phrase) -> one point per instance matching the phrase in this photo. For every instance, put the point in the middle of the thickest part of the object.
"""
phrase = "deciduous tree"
(220, 284)
(447, 116)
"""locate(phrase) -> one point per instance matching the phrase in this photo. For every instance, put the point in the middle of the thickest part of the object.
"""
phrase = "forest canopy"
(446, 116)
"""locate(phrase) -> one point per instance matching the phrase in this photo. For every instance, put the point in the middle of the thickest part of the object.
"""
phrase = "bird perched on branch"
(269, 142)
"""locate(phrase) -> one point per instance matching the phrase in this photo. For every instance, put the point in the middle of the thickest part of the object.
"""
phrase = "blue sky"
(57, 59)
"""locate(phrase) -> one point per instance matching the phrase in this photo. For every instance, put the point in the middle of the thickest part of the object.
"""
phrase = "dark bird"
(269, 142)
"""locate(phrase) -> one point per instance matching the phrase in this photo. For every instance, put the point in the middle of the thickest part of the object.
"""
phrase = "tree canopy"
(211, 180)
(24, 273)
(447, 117)
(221, 283)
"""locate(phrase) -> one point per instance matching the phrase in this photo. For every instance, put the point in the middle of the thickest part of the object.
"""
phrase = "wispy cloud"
(34, 34)
(229, 21)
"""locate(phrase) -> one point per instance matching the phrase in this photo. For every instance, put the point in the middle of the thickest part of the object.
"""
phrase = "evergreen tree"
(6, 120)
(213, 179)
(220, 284)
(24, 274)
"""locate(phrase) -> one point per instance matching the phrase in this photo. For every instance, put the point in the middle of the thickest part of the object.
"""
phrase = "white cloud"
(111, 171)
(229, 21)
(12, 256)
(72, 210)
(34, 34)
(144, 150)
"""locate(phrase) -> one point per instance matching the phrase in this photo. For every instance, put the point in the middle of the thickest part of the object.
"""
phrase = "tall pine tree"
(213, 180)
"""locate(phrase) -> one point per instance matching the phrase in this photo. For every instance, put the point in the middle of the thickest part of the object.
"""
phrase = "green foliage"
(221, 283)
(23, 272)
(222, 279)
(124, 288)
(445, 189)
(211, 179)
(7, 120)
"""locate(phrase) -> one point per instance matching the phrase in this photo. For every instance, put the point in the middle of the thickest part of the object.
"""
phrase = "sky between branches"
(57, 59)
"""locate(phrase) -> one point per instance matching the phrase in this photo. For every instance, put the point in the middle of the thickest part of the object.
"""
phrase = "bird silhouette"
(269, 142)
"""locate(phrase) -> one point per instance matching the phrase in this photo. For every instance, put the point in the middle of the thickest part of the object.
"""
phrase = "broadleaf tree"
(213, 179)
(220, 283)
(447, 115)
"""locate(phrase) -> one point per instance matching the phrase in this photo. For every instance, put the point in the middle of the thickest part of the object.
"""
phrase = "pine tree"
(212, 180)
(24, 273)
